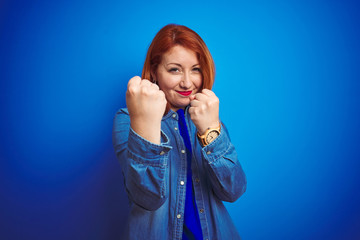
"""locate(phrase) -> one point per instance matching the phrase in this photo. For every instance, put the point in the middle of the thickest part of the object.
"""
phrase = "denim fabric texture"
(155, 178)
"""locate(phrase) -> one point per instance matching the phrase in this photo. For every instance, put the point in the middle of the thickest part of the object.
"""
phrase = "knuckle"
(154, 85)
(144, 91)
(213, 101)
(208, 104)
(134, 80)
(161, 94)
(132, 89)
(145, 82)
(137, 78)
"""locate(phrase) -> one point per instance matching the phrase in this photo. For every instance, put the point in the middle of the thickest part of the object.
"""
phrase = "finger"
(195, 103)
(134, 80)
(201, 97)
(191, 111)
(161, 93)
(145, 82)
(155, 86)
(208, 92)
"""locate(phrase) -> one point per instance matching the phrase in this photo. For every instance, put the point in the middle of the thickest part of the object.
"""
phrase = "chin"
(184, 103)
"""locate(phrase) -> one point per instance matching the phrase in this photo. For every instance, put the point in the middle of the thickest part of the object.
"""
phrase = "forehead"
(180, 54)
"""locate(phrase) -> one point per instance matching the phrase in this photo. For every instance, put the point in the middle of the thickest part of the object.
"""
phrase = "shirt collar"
(170, 113)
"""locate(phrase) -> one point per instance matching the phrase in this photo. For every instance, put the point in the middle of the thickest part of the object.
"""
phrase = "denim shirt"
(155, 180)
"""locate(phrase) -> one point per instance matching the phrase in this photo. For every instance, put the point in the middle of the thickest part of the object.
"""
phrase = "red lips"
(184, 93)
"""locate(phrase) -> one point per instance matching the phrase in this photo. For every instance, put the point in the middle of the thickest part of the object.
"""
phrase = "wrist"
(150, 132)
(209, 135)
(202, 131)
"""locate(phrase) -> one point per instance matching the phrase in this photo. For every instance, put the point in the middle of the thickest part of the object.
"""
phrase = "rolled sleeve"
(217, 149)
(146, 152)
(144, 164)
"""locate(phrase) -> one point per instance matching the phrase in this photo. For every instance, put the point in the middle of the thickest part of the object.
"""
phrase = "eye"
(174, 70)
(196, 69)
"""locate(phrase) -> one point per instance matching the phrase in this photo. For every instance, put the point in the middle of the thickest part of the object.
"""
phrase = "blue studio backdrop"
(289, 70)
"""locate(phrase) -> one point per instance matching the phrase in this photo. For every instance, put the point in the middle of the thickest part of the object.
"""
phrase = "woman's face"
(179, 76)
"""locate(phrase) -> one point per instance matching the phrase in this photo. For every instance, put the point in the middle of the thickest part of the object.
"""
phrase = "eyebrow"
(180, 64)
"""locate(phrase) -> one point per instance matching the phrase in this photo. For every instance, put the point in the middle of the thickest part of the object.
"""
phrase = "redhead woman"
(177, 159)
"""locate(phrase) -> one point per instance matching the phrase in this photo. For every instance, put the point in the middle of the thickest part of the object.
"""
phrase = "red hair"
(172, 35)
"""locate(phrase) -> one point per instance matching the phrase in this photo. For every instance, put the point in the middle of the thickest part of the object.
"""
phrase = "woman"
(177, 159)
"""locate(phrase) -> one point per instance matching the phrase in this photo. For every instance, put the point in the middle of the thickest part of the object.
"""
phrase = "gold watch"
(209, 135)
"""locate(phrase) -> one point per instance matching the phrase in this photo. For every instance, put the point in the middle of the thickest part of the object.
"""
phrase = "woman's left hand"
(204, 110)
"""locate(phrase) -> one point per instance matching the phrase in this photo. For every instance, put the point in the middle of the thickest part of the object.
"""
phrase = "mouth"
(184, 93)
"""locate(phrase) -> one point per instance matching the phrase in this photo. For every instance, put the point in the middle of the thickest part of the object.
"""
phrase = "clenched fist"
(146, 104)
(204, 110)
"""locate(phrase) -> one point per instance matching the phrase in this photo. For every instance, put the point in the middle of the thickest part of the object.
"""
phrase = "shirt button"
(178, 216)
(197, 180)
(162, 153)
(174, 115)
(175, 128)
(182, 182)
(183, 151)
(208, 152)
(202, 210)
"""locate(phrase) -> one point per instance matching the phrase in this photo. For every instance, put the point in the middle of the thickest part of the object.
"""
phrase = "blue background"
(289, 70)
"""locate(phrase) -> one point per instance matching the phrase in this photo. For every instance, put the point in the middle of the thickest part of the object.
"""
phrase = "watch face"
(211, 136)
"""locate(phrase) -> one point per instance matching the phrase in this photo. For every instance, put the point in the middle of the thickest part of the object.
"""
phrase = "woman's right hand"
(146, 104)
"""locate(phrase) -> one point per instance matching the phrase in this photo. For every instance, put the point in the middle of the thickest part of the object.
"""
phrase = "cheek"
(169, 81)
(198, 81)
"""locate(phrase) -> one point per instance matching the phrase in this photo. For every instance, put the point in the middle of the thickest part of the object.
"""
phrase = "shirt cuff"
(217, 148)
(146, 152)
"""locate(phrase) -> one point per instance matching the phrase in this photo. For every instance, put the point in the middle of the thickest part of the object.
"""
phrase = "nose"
(186, 81)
